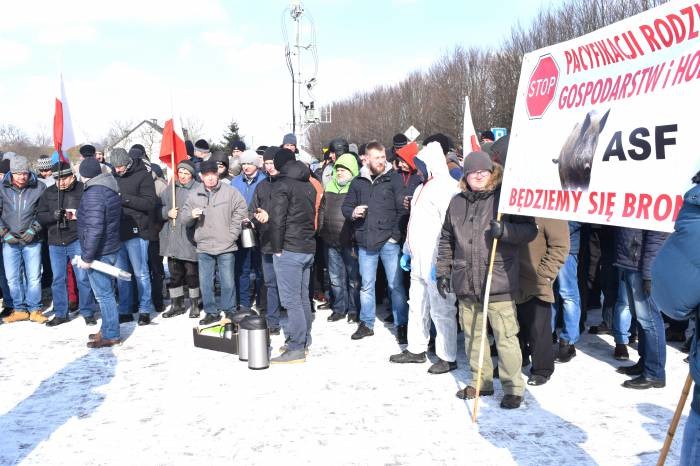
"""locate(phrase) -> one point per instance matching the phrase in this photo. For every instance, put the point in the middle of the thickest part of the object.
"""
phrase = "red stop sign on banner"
(542, 86)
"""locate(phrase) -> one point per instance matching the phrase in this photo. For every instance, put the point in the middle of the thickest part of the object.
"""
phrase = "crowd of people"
(321, 228)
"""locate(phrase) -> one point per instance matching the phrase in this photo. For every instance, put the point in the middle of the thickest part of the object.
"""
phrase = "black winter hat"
(202, 145)
(339, 146)
(488, 134)
(61, 169)
(208, 166)
(442, 139)
(136, 153)
(270, 152)
(220, 157)
(4, 166)
(282, 157)
(189, 147)
(399, 140)
(90, 168)
(88, 150)
(238, 145)
(260, 150)
(139, 147)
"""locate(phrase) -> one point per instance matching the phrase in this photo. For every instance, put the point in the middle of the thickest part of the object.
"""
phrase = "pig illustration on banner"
(576, 157)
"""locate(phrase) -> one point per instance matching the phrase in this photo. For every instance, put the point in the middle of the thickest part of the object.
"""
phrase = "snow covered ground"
(158, 400)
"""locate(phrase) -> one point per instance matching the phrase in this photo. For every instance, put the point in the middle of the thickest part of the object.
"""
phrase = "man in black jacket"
(259, 211)
(375, 208)
(292, 216)
(57, 214)
(138, 196)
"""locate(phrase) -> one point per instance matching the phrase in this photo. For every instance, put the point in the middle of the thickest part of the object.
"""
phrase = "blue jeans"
(25, 290)
(60, 255)
(571, 300)
(208, 264)
(344, 273)
(4, 287)
(247, 265)
(103, 287)
(293, 270)
(690, 449)
(135, 252)
(389, 254)
(273, 297)
(652, 336)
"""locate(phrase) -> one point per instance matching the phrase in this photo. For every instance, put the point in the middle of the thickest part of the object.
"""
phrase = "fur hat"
(250, 157)
(90, 168)
(476, 161)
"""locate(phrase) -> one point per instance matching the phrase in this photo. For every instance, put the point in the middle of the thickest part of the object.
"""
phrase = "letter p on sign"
(542, 86)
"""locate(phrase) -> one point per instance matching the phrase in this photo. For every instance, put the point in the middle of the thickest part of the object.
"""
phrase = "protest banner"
(605, 127)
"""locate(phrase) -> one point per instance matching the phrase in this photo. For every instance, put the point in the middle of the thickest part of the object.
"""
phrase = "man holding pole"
(468, 232)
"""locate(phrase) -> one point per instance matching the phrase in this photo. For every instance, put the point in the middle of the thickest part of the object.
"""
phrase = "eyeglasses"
(480, 173)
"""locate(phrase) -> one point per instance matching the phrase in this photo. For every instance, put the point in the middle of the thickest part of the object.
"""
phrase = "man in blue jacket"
(675, 275)
(248, 259)
(99, 215)
(375, 208)
(635, 251)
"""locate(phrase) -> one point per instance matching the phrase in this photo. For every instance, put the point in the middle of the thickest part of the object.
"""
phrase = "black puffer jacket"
(262, 199)
(98, 218)
(48, 203)
(636, 249)
(138, 195)
(293, 210)
(384, 208)
(465, 245)
(334, 228)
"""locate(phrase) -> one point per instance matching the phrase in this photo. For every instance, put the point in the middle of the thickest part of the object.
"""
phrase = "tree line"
(433, 100)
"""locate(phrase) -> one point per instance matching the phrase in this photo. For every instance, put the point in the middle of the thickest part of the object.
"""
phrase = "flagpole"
(174, 174)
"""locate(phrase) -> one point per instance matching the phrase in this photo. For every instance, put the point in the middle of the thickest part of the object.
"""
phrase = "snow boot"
(177, 300)
(511, 401)
(566, 351)
(37, 316)
(407, 357)
(442, 367)
(195, 307)
(402, 334)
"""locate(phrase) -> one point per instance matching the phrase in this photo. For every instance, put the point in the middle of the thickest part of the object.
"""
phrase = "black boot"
(402, 334)
(176, 308)
(194, 308)
(566, 351)
(144, 319)
(57, 321)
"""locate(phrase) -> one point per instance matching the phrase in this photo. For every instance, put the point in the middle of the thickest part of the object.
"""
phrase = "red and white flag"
(63, 135)
(470, 142)
(172, 147)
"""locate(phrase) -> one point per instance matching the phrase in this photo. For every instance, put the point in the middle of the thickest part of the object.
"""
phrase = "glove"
(433, 273)
(9, 238)
(496, 229)
(443, 286)
(405, 262)
(28, 235)
(646, 285)
(172, 213)
(58, 214)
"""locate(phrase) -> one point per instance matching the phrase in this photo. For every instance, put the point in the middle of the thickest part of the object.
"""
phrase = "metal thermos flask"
(237, 319)
(247, 236)
(258, 342)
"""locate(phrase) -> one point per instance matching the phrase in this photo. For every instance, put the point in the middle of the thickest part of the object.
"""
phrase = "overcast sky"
(220, 59)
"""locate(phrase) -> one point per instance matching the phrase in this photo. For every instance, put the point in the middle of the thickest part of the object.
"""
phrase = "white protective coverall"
(428, 207)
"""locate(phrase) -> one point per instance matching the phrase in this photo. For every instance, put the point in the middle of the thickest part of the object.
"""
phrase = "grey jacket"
(178, 241)
(217, 230)
(18, 207)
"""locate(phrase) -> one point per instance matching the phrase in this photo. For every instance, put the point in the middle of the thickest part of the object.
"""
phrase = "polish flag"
(63, 136)
(172, 147)
(470, 142)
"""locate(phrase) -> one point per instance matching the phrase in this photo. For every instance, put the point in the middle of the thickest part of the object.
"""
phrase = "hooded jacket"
(675, 275)
(334, 228)
(542, 258)
(138, 195)
(428, 208)
(218, 228)
(178, 241)
(384, 208)
(99, 215)
(465, 244)
(293, 211)
(18, 207)
(49, 202)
